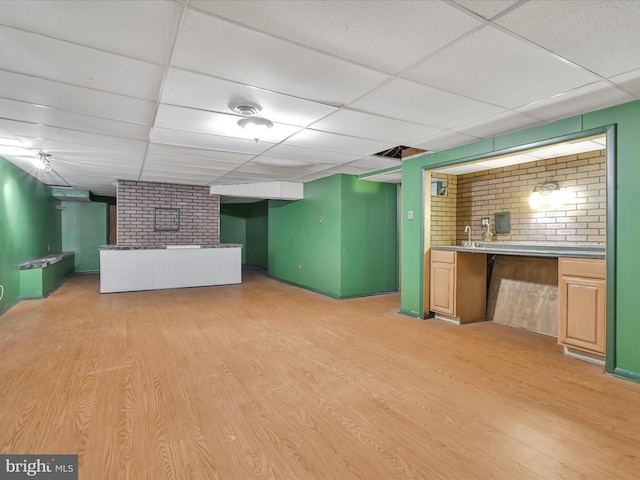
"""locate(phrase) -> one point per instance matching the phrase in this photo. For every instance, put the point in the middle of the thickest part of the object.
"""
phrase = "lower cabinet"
(582, 304)
(458, 285)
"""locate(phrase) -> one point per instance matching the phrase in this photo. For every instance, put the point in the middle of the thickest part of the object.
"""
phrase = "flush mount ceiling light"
(255, 126)
(245, 108)
(549, 191)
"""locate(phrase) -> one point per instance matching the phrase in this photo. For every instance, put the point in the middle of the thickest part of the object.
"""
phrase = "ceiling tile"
(212, 123)
(33, 134)
(75, 99)
(246, 177)
(173, 152)
(282, 173)
(346, 169)
(475, 68)
(258, 60)
(39, 56)
(69, 170)
(113, 158)
(279, 162)
(365, 125)
(207, 93)
(578, 101)
(363, 32)
(311, 154)
(487, 9)
(178, 166)
(404, 99)
(630, 81)
(110, 26)
(372, 163)
(201, 140)
(444, 140)
(600, 35)
(56, 118)
(338, 143)
(501, 123)
(162, 177)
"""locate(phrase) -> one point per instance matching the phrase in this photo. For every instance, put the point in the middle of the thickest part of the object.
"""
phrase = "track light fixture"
(44, 163)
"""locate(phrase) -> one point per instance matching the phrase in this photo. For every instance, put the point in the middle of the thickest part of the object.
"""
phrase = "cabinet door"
(443, 281)
(582, 313)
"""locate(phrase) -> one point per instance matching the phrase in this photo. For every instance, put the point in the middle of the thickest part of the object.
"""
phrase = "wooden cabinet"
(458, 290)
(582, 304)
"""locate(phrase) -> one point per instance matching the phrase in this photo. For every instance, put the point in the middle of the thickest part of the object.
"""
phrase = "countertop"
(45, 261)
(532, 249)
(168, 247)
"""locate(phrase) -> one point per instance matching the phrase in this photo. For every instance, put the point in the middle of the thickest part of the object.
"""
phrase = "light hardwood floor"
(264, 380)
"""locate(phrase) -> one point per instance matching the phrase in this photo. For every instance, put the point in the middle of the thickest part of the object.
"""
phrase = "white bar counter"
(126, 268)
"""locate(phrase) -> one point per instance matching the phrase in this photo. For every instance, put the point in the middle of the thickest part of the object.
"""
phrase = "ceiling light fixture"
(245, 108)
(255, 126)
(44, 163)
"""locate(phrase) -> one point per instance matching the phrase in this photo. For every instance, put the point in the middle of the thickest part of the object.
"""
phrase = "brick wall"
(582, 218)
(444, 212)
(139, 202)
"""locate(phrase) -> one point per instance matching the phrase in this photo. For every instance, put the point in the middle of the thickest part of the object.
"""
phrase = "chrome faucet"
(467, 229)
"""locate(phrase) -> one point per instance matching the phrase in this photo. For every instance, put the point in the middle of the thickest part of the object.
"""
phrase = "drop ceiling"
(140, 90)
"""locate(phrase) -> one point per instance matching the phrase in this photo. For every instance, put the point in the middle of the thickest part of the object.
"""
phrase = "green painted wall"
(257, 225)
(352, 252)
(233, 229)
(30, 226)
(622, 250)
(247, 223)
(296, 237)
(84, 229)
(369, 237)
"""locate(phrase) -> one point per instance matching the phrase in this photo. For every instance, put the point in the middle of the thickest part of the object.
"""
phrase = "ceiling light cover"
(255, 126)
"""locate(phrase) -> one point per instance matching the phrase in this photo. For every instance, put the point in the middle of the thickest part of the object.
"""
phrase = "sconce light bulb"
(556, 199)
(535, 200)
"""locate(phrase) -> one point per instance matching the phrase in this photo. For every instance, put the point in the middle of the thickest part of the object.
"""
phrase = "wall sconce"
(549, 192)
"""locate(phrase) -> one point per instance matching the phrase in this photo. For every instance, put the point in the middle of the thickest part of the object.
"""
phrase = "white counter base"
(152, 269)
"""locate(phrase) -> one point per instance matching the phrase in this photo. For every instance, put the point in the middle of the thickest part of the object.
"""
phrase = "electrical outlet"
(320, 219)
(299, 266)
(484, 221)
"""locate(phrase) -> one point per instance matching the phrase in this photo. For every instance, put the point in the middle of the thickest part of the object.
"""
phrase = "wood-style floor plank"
(265, 380)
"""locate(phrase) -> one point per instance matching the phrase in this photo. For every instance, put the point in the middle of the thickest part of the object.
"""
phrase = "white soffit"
(574, 147)
(264, 190)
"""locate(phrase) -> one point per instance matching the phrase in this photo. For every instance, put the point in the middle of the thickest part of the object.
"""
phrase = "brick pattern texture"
(137, 201)
(444, 212)
(581, 219)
